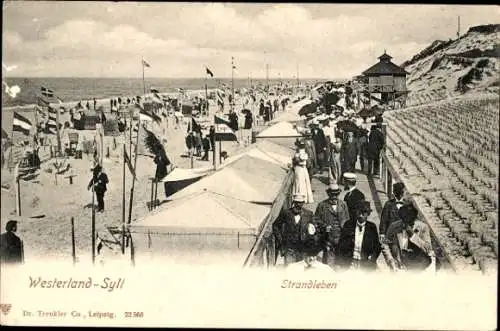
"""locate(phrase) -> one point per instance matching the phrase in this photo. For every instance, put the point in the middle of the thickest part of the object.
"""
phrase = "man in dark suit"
(390, 212)
(206, 148)
(349, 153)
(11, 246)
(296, 232)
(376, 142)
(353, 196)
(359, 245)
(332, 213)
(99, 181)
(320, 144)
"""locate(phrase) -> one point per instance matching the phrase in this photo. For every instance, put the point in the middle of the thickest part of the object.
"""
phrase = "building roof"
(385, 67)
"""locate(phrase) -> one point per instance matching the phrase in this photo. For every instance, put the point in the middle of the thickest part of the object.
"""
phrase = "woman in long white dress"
(301, 183)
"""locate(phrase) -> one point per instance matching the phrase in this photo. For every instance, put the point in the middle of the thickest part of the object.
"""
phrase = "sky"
(108, 39)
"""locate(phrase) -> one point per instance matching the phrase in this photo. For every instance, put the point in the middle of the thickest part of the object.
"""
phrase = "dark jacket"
(248, 121)
(327, 216)
(290, 235)
(233, 121)
(352, 200)
(349, 152)
(100, 180)
(190, 141)
(370, 247)
(206, 144)
(390, 214)
(11, 248)
(319, 138)
(375, 142)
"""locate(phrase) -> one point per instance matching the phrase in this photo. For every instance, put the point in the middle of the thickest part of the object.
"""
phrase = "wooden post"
(133, 178)
(192, 161)
(73, 248)
(220, 151)
(238, 240)
(152, 194)
(156, 194)
(93, 225)
(123, 201)
(58, 134)
(132, 251)
(18, 195)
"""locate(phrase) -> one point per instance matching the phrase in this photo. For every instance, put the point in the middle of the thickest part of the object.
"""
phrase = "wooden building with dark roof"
(387, 79)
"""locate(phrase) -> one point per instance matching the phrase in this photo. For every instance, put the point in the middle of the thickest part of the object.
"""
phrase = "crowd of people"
(339, 233)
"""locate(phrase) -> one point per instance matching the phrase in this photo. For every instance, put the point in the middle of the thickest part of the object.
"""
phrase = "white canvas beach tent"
(239, 183)
(201, 229)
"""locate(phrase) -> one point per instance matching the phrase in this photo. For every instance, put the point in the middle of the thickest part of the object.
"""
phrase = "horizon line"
(196, 77)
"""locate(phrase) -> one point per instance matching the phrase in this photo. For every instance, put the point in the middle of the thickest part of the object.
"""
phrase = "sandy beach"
(56, 204)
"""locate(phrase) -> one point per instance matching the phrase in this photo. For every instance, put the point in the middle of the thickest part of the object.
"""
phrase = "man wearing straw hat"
(293, 230)
(332, 213)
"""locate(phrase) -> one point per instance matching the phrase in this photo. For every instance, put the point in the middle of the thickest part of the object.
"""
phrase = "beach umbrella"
(307, 109)
(246, 111)
(347, 126)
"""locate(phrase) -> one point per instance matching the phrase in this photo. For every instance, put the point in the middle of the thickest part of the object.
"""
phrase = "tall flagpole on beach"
(232, 82)
(143, 81)
(206, 91)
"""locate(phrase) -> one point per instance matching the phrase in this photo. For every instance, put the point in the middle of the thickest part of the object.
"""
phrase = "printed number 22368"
(134, 314)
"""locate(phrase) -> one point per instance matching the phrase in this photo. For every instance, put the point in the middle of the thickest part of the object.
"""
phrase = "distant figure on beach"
(211, 135)
(88, 105)
(95, 104)
(99, 181)
(206, 148)
(11, 246)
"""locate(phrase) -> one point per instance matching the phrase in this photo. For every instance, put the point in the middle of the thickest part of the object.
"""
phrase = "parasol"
(246, 111)
(307, 109)
(347, 126)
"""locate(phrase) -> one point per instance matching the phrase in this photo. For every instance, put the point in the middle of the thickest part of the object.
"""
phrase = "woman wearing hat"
(359, 245)
(302, 183)
(331, 213)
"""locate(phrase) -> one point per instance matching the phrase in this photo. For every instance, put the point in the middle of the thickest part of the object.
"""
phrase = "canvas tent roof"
(280, 129)
(259, 167)
(184, 174)
(206, 212)
(234, 183)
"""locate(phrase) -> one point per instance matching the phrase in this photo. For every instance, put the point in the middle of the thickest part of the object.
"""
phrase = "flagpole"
(123, 201)
(232, 83)
(58, 136)
(133, 178)
(143, 81)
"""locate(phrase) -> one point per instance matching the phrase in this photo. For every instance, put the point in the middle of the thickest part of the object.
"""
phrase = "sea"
(83, 89)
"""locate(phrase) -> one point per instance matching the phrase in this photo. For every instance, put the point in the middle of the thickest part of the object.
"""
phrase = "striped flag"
(148, 116)
(42, 102)
(21, 124)
(220, 96)
(46, 92)
(145, 64)
(223, 131)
